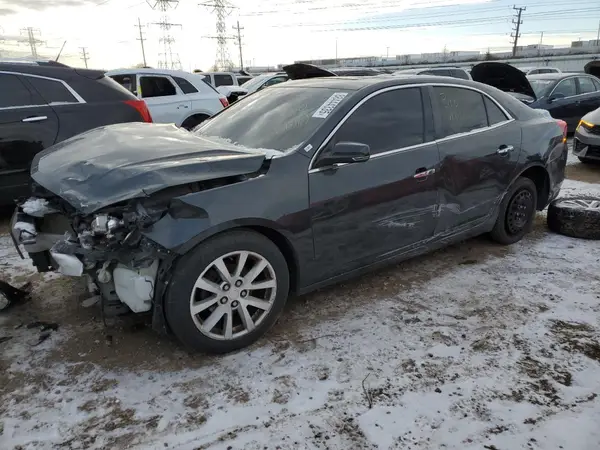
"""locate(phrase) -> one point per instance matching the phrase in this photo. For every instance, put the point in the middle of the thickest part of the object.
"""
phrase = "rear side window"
(222, 79)
(462, 110)
(128, 81)
(14, 93)
(458, 73)
(586, 85)
(156, 87)
(494, 114)
(185, 85)
(52, 91)
(388, 121)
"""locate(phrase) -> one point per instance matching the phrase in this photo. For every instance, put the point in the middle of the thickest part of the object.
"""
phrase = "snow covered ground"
(475, 346)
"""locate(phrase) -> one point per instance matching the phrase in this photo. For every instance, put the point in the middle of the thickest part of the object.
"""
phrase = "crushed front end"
(108, 247)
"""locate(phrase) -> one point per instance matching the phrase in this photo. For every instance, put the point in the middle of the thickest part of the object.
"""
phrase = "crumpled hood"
(503, 76)
(114, 163)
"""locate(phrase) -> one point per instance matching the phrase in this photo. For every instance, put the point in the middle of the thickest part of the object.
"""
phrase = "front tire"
(517, 211)
(227, 292)
(192, 122)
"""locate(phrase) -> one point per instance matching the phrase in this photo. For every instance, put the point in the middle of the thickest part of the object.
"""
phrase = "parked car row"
(315, 180)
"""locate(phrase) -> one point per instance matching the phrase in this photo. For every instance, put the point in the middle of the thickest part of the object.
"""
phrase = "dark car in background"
(320, 180)
(43, 103)
(566, 96)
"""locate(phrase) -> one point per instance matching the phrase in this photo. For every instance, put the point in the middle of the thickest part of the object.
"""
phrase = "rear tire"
(213, 303)
(516, 212)
(192, 122)
(577, 217)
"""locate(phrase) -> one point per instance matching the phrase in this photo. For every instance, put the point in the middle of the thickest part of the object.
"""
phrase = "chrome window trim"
(569, 77)
(72, 91)
(509, 119)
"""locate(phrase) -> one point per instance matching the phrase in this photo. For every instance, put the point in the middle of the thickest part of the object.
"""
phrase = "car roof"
(178, 73)
(57, 71)
(553, 75)
(384, 80)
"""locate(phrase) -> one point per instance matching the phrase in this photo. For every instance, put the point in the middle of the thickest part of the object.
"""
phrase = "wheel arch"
(268, 229)
(196, 113)
(540, 177)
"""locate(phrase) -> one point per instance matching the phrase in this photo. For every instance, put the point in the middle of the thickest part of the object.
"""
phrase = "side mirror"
(344, 153)
(555, 97)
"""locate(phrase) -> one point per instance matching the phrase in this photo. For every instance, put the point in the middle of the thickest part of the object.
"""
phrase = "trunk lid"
(119, 162)
(503, 76)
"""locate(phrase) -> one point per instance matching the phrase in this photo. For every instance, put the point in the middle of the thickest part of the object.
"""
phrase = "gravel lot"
(475, 346)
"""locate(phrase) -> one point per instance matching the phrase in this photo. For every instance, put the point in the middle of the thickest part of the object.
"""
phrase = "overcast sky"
(281, 31)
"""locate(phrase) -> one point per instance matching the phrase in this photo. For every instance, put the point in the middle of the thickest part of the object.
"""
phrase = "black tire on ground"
(570, 216)
(191, 122)
(520, 200)
(189, 268)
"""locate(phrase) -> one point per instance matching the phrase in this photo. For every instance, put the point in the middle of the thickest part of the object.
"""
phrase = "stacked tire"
(577, 217)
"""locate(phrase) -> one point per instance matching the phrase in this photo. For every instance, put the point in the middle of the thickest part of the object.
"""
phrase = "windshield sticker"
(309, 147)
(330, 104)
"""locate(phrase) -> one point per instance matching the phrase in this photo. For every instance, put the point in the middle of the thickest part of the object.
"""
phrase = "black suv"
(42, 103)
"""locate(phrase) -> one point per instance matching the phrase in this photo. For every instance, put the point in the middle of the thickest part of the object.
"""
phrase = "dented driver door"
(479, 146)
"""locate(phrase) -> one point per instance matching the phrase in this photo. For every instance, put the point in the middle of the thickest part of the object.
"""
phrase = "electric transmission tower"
(221, 9)
(517, 24)
(32, 39)
(167, 59)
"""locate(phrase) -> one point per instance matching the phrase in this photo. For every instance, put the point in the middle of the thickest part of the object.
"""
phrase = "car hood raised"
(114, 163)
(300, 71)
(503, 76)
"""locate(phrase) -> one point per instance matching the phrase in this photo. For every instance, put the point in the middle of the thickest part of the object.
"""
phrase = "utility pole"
(540, 44)
(517, 24)
(598, 35)
(31, 34)
(84, 56)
(239, 39)
(387, 52)
(336, 52)
(142, 39)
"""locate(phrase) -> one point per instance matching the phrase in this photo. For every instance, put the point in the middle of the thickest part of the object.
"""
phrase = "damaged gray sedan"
(290, 189)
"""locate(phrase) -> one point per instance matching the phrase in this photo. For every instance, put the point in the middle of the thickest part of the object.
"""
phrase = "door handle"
(503, 150)
(182, 106)
(423, 173)
(34, 119)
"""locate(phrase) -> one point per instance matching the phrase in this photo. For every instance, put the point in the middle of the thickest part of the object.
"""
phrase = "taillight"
(142, 108)
(563, 125)
(224, 102)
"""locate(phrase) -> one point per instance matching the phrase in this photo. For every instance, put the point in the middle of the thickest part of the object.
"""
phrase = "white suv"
(172, 96)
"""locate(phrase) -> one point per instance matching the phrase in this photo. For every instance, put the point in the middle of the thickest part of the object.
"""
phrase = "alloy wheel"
(233, 295)
(519, 211)
(578, 203)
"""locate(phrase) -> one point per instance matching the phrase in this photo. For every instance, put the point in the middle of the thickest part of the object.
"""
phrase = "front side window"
(13, 93)
(223, 80)
(275, 119)
(185, 85)
(565, 88)
(52, 91)
(155, 86)
(586, 85)
(128, 81)
(462, 110)
(389, 121)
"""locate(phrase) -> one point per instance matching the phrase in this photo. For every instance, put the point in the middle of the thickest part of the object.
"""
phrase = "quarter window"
(566, 88)
(185, 85)
(586, 85)
(223, 80)
(388, 121)
(494, 114)
(156, 87)
(13, 92)
(52, 91)
(462, 110)
(127, 81)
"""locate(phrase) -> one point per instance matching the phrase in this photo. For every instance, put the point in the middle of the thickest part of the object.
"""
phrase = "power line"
(517, 24)
(142, 39)
(239, 41)
(84, 56)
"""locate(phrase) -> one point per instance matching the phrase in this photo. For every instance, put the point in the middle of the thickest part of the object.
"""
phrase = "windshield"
(541, 86)
(275, 119)
(256, 82)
